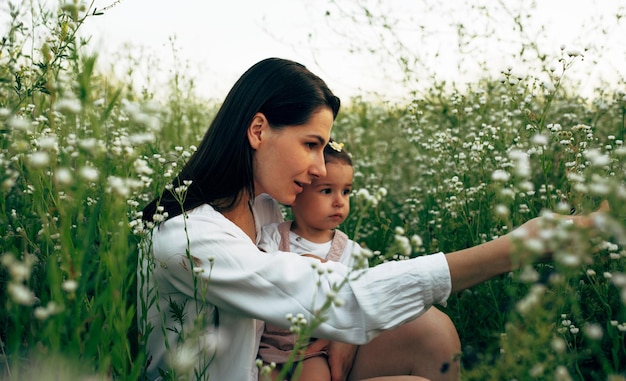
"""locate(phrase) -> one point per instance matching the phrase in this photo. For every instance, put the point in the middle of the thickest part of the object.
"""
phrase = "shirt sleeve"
(354, 256)
(241, 279)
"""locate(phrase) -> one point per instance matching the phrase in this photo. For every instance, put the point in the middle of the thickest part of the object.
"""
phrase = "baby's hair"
(335, 152)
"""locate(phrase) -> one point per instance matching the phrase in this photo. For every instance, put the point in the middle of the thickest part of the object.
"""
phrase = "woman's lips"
(299, 186)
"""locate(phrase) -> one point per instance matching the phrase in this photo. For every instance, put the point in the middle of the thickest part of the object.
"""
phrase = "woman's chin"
(286, 199)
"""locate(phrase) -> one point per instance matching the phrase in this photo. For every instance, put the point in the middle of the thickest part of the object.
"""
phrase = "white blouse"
(236, 283)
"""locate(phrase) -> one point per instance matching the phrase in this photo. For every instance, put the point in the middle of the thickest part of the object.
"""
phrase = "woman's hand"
(532, 229)
(477, 264)
(340, 357)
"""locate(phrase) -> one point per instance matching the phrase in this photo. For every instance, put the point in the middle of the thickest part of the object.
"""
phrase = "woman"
(205, 288)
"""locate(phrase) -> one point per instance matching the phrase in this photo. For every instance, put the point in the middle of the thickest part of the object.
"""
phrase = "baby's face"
(325, 203)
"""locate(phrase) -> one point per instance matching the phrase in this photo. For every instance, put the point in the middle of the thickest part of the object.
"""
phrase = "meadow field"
(81, 153)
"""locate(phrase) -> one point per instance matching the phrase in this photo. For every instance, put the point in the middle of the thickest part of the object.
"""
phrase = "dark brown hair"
(286, 92)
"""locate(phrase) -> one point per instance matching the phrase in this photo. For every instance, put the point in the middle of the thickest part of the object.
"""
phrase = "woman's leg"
(315, 369)
(428, 346)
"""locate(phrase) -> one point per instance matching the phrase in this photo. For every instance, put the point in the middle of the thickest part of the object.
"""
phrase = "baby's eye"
(326, 191)
(346, 192)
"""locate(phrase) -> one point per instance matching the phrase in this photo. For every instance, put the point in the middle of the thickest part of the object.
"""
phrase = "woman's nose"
(318, 167)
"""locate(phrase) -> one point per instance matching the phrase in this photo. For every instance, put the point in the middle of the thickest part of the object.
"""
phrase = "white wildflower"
(575, 177)
(593, 331)
(89, 173)
(404, 244)
(185, 357)
(563, 207)
(574, 53)
(568, 259)
(619, 280)
(20, 123)
(534, 245)
(540, 140)
(20, 271)
(502, 210)
(521, 162)
(69, 285)
(158, 217)
(118, 185)
(20, 294)
(49, 143)
(39, 159)
(554, 127)
(531, 299)
(416, 240)
(140, 139)
(90, 144)
(549, 86)
(70, 105)
(558, 345)
(519, 233)
(42, 313)
(500, 175)
(63, 176)
(142, 167)
(537, 370)
(562, 374)
(597, 158)
(529, 275)
(507, 193)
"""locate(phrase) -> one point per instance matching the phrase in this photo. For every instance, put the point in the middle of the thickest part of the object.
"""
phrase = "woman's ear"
(255, 130)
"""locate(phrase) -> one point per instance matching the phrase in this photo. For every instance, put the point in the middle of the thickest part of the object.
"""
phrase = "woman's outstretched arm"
(477, 264)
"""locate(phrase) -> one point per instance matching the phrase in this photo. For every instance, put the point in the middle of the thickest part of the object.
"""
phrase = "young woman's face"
(325, 203)
(286, 159)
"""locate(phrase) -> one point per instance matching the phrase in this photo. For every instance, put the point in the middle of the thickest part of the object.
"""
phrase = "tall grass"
(81, 153)
(460, 169)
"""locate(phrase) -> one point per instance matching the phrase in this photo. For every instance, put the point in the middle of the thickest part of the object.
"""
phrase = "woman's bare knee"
(397, 378)
(428, 346)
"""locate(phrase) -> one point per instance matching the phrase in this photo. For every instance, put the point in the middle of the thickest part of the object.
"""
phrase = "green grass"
(81, 153)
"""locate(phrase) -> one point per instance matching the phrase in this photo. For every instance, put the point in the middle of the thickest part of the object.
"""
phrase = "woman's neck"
(242, 216)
